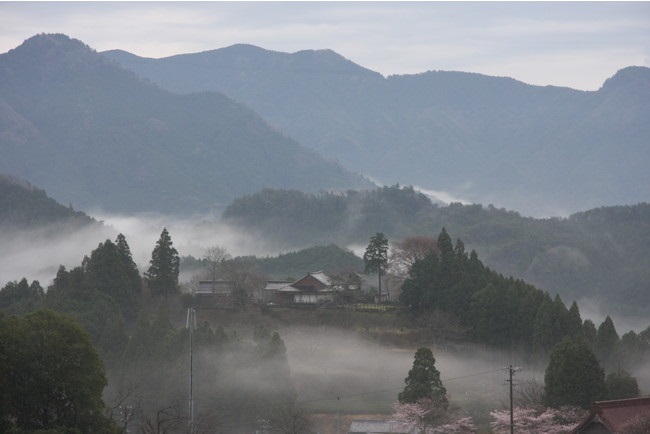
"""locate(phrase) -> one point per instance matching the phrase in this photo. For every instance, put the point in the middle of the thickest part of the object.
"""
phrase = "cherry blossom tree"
(536, 420)
(426, 416)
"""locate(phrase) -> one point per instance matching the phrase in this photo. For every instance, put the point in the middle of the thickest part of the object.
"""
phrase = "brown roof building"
(606, 417)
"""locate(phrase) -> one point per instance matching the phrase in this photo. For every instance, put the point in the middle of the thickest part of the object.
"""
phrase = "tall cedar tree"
(423, 381)
(162, 275)
(376, 257)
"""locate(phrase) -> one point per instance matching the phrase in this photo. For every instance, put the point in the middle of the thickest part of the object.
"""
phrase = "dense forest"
(598, 254)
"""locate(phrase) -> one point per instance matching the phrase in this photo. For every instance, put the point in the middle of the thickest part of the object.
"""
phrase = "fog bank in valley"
(36, 254)
(329, 363)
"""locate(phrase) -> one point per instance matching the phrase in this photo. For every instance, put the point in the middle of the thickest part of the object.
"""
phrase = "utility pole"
(191, 325)
(511, 372)
(338, 417)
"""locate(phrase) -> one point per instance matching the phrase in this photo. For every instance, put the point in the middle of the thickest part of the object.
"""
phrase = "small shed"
(608, 417)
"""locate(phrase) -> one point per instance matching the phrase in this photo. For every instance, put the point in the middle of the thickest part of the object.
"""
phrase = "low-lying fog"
(37, 254)
(327, 363)
(316, 357)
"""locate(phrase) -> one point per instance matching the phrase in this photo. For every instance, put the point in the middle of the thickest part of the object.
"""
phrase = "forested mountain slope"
(540, 150)
(601, 254)
(23, 206)
(96, 135)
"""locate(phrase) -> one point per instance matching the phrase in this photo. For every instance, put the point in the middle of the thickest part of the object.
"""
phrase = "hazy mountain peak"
(48, 57)
(634, 77)
(51, 41)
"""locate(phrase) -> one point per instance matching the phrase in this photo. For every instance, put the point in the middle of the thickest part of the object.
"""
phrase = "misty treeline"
(128, 320)
(600, 254)
(510, 314)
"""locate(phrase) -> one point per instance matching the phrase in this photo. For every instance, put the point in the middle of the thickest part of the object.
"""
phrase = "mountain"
(96, 135)
(599, 254)
(540, 150)
(23, 206)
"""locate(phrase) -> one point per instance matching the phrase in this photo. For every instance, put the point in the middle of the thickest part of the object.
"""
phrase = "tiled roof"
(614, 414)
(275, 285)
(321, 277)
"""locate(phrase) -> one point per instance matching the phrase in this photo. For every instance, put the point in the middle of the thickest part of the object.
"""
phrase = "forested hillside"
(24, 206)
(538, 150)
(600, 254)
(332, 260)
(97, 136)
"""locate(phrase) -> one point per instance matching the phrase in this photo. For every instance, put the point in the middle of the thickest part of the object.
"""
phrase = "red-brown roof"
(614, 414)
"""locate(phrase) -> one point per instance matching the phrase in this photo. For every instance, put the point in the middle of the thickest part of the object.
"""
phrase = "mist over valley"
(129, 185)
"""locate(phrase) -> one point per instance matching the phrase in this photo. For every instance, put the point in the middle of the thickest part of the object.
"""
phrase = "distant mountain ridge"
(96, 135)
(539, 150)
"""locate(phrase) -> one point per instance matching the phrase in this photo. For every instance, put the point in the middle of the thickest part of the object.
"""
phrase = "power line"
(355, 395)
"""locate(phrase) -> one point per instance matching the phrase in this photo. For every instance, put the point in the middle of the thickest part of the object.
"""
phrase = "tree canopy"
(573, 376)
(54, 376)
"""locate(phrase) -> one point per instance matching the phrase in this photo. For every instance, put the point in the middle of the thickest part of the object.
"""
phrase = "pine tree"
(162, 275)
(423, 381)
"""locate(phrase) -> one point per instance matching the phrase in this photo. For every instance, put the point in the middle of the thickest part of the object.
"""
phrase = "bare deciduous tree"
(215, 256)
(405, 252)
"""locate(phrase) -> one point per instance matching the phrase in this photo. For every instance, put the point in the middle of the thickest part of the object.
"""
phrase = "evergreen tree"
(21, 297)
(445, 245)
(574, 321)
(110, 270)
(162, 275)
(573, 376)
(607, 342)
(550, 325)
(419, 290)
(489, 313)
(376, 257)
(423, 381)
(589, 333)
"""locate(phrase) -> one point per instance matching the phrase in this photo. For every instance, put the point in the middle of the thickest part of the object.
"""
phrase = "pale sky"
(573, 44)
